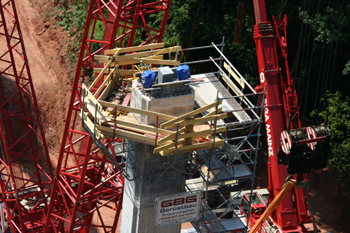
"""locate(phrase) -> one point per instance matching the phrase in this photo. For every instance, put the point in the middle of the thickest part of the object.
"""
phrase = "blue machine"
(147, 78)
(183, 72)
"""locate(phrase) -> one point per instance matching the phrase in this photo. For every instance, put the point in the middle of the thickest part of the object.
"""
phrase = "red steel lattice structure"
(26, 172)
(88, 183)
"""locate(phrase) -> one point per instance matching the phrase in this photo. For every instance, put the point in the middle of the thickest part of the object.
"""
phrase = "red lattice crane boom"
(291, 148)
(25, 168)
(88, 181)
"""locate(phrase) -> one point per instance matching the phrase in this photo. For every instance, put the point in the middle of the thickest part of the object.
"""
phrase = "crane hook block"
(304, 149)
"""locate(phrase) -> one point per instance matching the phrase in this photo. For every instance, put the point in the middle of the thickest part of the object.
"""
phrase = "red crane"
(25, 168)
(292, 149)
(88, 182)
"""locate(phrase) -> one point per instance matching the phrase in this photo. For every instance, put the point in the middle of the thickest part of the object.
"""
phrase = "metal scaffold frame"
(212, 163)
(227, 167)
(25, 167)
(87, 182)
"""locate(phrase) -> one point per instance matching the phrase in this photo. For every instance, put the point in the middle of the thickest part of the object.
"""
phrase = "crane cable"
(298, 53)
(323, 87)
(325, 73)
(330, 55)
(336, 50)
(304, 56)
(310, 66)
(304, 64)
(182, 55)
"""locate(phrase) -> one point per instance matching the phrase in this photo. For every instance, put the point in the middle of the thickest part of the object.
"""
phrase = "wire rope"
(336, 50)
(303, 64)
(299, 46)
(335, 7)
(310, 67)
(326, 68)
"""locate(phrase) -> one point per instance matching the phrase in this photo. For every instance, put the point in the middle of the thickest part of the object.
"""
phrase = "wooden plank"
(189, 129)
(100, 74)
(159, 57)
(238, 79)
(90, 125)
(101, 58)
(202, 133)
(121, 72)
(156, 62)
(134, 48)
(108, 89)
(91, 104)
(135, 110)
(215, 112)
(150, 129)
(233, 87)
(126, 99)
(150, 61)
(105, 59)
(189, 148)
(108, 132)
(167, 146)
(205, 118)
(170, 136)
(91, 107)
(161, 62)
(148, 53)
(104, 83)
(90, 97)
(193, 113)
(133, 129)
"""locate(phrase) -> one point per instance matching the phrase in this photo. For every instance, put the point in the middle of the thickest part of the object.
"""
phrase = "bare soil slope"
(47, 54)
(46, 47)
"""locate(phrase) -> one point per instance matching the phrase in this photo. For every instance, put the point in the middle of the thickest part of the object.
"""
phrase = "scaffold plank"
(189, 148)
(193, 113)
(135, 110)
(134, 48)
(120, 72)
(210, 89)
(150, 129)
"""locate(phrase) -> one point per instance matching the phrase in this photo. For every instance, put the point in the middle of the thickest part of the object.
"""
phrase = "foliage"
(346, 70)
(339, 124)
(329, 26)
(73, 20)
(195, 23)
(318, 45)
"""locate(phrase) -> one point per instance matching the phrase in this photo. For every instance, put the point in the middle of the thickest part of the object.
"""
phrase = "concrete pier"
(138, 212)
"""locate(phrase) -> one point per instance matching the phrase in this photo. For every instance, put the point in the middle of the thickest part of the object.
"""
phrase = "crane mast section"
(291, 148)
(270, 80)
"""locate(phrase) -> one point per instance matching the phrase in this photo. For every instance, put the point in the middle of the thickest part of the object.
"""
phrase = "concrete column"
(138, 211)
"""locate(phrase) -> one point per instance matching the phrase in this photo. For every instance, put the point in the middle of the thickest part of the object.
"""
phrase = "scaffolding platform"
(213, 224)
(201, 184)
(219, 171)
(211, 89)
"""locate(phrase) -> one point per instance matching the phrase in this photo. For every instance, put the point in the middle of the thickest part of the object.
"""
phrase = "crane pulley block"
(304, 149)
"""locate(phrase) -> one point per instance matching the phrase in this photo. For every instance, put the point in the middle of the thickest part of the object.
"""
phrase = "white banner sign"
(178, 208)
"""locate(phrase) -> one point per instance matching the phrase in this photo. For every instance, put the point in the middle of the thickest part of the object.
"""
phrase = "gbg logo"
(179, 201)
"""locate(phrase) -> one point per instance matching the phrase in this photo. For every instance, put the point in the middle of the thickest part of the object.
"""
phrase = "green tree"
(339, 124)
